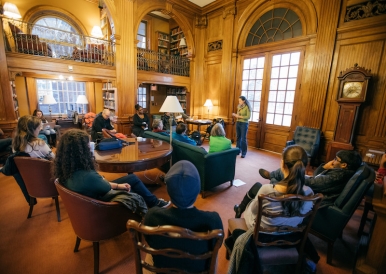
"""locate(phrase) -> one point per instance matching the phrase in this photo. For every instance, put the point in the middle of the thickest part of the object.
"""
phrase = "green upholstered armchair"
(330, 221)
(214, 168)
(309, 139)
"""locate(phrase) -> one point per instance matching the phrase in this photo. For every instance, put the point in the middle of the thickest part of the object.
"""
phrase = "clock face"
(352, 90)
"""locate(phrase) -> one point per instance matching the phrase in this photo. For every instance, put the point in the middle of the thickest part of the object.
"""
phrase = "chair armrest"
(290, 143)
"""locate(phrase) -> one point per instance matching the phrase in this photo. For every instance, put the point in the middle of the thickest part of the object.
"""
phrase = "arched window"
(59, 34)
(275, 25)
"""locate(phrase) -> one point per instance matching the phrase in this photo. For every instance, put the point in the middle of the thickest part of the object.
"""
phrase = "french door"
(270, 82)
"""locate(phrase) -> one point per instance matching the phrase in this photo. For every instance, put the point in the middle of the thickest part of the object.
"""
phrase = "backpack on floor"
(196, 136)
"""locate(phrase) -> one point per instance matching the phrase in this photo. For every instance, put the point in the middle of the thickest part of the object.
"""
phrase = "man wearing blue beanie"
(183, 185)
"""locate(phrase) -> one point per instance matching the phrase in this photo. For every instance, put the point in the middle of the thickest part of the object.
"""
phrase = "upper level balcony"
(32, 39)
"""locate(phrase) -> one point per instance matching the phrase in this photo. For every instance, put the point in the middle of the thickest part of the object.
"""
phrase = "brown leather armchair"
(94, 220)
(36, 174)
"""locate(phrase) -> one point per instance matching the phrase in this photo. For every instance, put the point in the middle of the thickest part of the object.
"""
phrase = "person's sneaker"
(162, 203)
(265, 174)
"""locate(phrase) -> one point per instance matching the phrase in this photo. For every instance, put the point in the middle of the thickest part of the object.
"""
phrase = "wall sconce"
(70, 68)
(10, 10)
(70, 78)
(153, 87)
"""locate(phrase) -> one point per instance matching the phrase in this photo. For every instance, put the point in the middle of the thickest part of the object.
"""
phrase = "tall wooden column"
(126, 68)
(324, 50)
(7, 112)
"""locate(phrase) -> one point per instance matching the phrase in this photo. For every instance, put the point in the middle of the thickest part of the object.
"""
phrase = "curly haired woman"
(74, 166)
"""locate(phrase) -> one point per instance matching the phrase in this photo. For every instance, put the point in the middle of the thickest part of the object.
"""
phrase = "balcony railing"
(149, 60)
(40, 40)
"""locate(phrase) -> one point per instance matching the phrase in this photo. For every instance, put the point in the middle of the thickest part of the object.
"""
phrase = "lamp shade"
(182, 42)
(10, 10)
(208, 103)
(82, 99)
(49, 100)
(171, 104)
(96, 32)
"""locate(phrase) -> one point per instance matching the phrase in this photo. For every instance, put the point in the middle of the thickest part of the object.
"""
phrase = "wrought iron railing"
(149, 60)
(40, 40)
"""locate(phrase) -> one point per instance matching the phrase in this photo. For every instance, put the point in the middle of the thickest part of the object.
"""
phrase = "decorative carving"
(216, 45)
(201, 21)
(229, 11)
(366, 72)
(168, 12)
(13, 74)
(365, 10)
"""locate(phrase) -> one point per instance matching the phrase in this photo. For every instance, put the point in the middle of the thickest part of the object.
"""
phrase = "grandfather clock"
(353, 84)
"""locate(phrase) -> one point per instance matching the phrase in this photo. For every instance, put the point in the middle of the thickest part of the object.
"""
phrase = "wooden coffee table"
(137, 156)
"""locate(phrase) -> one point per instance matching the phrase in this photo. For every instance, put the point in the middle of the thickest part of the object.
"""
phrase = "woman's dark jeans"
(241, 134)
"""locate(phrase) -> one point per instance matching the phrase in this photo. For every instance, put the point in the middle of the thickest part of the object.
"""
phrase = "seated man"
(328, 179)
(158, 127)
(183, 186)
(101, 121)
(180, 135)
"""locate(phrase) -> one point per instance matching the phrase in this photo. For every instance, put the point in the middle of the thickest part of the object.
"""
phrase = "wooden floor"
(41, 245)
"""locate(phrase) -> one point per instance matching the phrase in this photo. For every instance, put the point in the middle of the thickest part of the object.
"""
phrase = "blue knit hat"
(183, 184)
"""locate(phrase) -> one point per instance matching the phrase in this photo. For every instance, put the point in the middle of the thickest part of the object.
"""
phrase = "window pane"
(295, 57)
(291, 84)
(271, 107)
(245, 74)
(285, 58)
(251, 85)
(287, 120)
(259, 74)
(244, 85)
(279, 108)
(269, 118)
(257, 97)
(293, 71)
(288, 109)
(253, 62)
(282, 84)
(275, 73)
(273, 85)
(260, 62)
(256, 106)
(283, 72)
(258, 84)
(281, 96)
(272, 96)
(276, 60)
(290, 96)
(278, 119)
(252, 74)
(247, 63)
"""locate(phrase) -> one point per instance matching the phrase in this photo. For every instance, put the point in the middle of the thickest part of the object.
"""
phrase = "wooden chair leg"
(77, 243)
(329, 252)
(31, 206)
(367, 208)
(57, 208)
(96, 257)
(231, 182)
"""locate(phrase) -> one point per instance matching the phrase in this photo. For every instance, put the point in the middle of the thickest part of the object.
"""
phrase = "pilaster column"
(126, 68)
(324, 51)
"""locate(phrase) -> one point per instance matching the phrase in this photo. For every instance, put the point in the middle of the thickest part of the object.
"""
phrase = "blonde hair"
(157, 123)
(25, 133)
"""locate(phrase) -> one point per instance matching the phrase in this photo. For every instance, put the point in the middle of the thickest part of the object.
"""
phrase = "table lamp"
(172, 105)
(209, 105)
(82, 99)
(49, 100)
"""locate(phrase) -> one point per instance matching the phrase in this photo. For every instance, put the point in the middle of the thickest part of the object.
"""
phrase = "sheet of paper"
(238, 183)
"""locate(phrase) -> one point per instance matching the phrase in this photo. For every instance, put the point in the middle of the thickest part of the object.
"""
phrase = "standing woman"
(141, 121)
(243, 115)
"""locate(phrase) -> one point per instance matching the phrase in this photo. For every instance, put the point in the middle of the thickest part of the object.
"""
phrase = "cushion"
(14, 29)
(306, 138)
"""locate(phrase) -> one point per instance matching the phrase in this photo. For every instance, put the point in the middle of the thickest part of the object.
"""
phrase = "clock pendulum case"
(353, 84)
